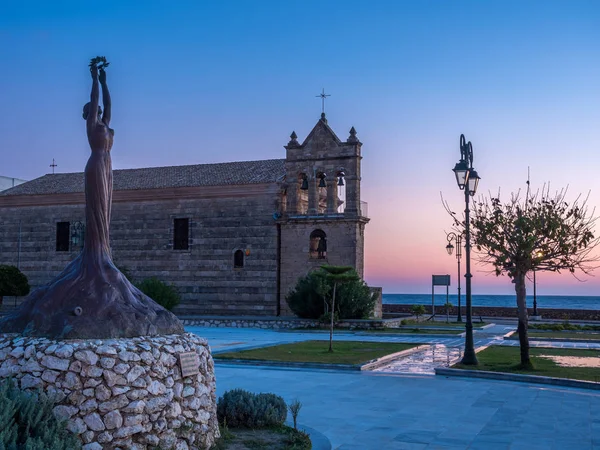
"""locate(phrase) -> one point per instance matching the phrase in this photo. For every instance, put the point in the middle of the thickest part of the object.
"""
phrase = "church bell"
(322, 182)
(304, 186)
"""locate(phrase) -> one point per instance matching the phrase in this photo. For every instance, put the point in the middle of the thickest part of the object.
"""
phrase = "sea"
(543, 301)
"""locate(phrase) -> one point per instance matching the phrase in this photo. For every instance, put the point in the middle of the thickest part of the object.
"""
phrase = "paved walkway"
(444, 350)
(388, 410)
(366, 411)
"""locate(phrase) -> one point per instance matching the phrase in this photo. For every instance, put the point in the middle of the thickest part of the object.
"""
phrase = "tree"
(417, 310)
(337, 274)
(541, 232)
(12, 282)
(311, 297)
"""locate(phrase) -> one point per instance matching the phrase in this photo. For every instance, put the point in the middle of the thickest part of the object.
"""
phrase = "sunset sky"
(198, 82)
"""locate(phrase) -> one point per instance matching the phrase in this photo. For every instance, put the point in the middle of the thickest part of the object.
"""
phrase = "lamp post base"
(469, 358)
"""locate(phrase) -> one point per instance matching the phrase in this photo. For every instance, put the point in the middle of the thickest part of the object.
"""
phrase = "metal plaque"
(189, 363)
(440, 280)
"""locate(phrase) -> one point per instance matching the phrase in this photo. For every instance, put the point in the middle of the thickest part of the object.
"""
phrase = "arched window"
(238, 259)
(318, 244)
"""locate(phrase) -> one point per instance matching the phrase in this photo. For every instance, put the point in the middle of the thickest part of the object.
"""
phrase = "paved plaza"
(392, 409)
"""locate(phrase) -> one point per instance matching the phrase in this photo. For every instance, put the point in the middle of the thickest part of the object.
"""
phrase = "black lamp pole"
(467, 180)
(458, 239)
(534, 296)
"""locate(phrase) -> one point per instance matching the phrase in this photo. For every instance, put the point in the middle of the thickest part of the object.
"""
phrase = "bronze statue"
(91, 298)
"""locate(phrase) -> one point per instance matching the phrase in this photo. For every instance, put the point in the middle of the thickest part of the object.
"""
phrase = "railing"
(364, 209)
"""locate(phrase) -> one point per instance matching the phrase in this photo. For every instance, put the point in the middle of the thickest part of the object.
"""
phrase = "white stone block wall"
(120, 393)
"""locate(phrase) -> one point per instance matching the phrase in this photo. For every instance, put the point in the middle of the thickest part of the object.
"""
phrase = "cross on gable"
(323, 95)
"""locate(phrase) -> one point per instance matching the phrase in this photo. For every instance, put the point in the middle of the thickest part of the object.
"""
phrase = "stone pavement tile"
(571, 444)
(435, 446)
(482, 444)
(418, 436)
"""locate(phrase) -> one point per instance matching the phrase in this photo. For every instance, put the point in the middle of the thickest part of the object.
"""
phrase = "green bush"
(12, 282)
(417, 310)
(242, 409)
(312, 293)
(27, 422)
(162, 293)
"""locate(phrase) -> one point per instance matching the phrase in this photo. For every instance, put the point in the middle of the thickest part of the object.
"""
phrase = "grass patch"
(413, 331)
(422, 323)
(562, 335)
(563, 326)
(344, 352)
(274, 438)
(507, 359)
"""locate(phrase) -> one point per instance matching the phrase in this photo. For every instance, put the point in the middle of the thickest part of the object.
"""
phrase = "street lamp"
(77, 234)
(458, 239)
(535, 313)
(467, 180)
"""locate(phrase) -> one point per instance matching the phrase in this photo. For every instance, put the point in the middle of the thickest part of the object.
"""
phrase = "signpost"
(438, 280)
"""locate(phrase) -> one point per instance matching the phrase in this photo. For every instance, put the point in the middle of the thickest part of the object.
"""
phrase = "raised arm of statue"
(92, 112)
(105, 97)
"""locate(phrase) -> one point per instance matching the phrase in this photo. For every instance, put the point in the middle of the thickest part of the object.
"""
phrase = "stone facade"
(258, 209)
(121, 393)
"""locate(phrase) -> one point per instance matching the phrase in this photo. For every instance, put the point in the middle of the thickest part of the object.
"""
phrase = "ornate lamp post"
(458, 239)
(535, 313)
(467, 180)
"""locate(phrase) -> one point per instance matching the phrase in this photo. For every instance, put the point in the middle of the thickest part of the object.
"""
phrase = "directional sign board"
(440, 280)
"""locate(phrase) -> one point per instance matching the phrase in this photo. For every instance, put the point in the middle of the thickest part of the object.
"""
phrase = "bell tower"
(322, 217)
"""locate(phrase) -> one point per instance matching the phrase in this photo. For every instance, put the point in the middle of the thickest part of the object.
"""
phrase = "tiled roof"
(242, 172)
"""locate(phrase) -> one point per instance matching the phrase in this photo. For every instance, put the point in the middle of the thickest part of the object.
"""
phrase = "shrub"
(27, 422)
(162, 293)
(12, 282)
(294, 408)
(417, 310)
(312, 292)
(242, 409)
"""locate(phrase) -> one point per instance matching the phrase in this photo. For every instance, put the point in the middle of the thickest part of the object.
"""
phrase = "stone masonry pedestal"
(124, 393)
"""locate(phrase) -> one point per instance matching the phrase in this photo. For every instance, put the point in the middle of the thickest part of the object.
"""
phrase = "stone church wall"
(142, 242)
(344, 248)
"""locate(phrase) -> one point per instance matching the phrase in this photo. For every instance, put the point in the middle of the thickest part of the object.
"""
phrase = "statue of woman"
(91, 298)
(98, 171)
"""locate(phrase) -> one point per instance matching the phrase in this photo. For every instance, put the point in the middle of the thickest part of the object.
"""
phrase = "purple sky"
(199, 82)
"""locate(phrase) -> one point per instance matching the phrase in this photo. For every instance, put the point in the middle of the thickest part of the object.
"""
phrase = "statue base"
(136, 393)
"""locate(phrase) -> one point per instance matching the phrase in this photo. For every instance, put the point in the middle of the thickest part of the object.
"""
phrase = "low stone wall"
(277, 323)
(120, 393)
(497, 311)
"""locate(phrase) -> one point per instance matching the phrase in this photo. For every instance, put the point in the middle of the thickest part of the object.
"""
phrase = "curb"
(554, 339)
(298, 365)
(318, 439)
(536, 379)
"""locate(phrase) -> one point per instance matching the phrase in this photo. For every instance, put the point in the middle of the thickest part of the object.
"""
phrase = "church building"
(232, 237)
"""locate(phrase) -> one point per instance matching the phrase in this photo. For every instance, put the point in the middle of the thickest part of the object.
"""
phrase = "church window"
(238, 259)
(318, 244)
(62, 236)
(181, 234)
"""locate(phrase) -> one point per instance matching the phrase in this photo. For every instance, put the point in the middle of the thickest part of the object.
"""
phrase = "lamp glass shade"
(449, 248)
(473, 181)
(461, 170)
(322, 182)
